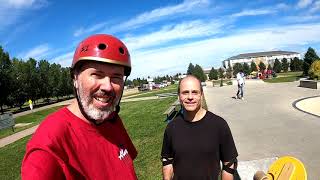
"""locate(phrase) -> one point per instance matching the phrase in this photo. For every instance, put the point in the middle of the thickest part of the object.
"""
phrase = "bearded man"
(87, 140)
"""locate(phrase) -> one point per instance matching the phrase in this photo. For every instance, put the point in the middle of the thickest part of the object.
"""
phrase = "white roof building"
(267, 57)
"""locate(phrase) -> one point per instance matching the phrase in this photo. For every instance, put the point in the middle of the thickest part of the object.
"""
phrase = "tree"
(262, 66)
(246, 69)
(253, 66)
(44, 67)
(269, 67)
(229, 71)
(198, 72)
(65, 83)
(5, 79)
(19, 82)
(54, 78)
(190, 69)
(213, 75)
(296, 64)
(221, 73)
(277, 66)
(285, 65)
(314, 71)
(32, 79)
(309, 57)
(236, 68)
(128, 82)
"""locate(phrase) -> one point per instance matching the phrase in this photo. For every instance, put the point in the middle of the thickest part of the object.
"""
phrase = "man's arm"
(226, 175)
(41, 165)
(167, 172)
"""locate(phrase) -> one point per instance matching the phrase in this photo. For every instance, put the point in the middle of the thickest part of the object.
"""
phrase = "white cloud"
(212, 51)
(64, 60)
(37, 52)
(12, 10)
(315, 7)
(160, 13)
(20, 3)
(188, 6)
(304, 3)
(23, 4)
(299, 19)
(183, 31)
(94, 28)
(253, 12)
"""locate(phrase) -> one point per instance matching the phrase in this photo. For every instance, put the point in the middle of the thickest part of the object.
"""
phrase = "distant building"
(182, 76)
(206, 71)
(267, 57)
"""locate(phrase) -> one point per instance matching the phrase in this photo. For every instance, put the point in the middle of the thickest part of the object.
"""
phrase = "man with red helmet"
(87, 140)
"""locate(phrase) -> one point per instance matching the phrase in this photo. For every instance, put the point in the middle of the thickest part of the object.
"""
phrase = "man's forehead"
(100, 66)
(190, 83)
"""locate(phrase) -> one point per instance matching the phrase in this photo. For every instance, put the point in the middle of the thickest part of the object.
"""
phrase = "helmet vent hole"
(102, 46)
(121, 50)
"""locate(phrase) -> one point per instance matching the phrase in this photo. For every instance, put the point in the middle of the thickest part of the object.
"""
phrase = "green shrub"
(314, 71)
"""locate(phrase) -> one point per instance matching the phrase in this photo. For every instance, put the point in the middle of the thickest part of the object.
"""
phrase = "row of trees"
(22, 80)
(296, 64)
(197, 71)
(278, 66)
(158, 79)
(309, 58)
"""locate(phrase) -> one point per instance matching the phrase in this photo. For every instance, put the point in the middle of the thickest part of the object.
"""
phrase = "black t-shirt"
(198, 147)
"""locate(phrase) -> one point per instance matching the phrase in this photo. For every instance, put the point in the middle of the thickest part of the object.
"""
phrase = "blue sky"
(163, 37)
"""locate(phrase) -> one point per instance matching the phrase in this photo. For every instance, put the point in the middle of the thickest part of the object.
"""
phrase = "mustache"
(105, 94)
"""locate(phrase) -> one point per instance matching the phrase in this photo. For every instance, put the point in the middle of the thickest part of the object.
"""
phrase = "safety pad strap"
(227, 166)
(166, 161)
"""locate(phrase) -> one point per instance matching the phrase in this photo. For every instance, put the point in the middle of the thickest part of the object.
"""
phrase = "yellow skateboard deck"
(285, 168)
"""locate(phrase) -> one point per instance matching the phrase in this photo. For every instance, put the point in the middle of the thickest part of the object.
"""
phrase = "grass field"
(285, 77)
(286, 74)
(144, 121)
(169, 89)
(10, 159)
(33, 118)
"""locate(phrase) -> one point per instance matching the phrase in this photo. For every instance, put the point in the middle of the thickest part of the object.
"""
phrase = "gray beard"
(97, 114)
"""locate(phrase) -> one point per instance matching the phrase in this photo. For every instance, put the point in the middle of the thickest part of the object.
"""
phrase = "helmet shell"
(103, 48)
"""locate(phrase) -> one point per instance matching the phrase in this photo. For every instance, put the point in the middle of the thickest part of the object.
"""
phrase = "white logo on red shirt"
(123, 153)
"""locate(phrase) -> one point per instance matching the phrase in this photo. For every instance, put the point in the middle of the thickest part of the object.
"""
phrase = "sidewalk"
(10, 139)
(44, 107)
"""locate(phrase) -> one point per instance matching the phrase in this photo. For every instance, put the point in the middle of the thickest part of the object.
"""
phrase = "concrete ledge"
(309, 105)
(309, 84)
(247, 169)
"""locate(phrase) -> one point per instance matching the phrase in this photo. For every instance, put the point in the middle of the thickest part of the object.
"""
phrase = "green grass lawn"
(11, 157)
(286, 74)
(170, 89)
(34, 118)
(144, 121)
(285, 77)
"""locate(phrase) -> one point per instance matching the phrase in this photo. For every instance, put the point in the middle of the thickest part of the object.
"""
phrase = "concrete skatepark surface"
(265, 125)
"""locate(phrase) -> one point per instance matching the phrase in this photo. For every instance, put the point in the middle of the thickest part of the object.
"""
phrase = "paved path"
(266, 125)
(12, 138)
(44, 107)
